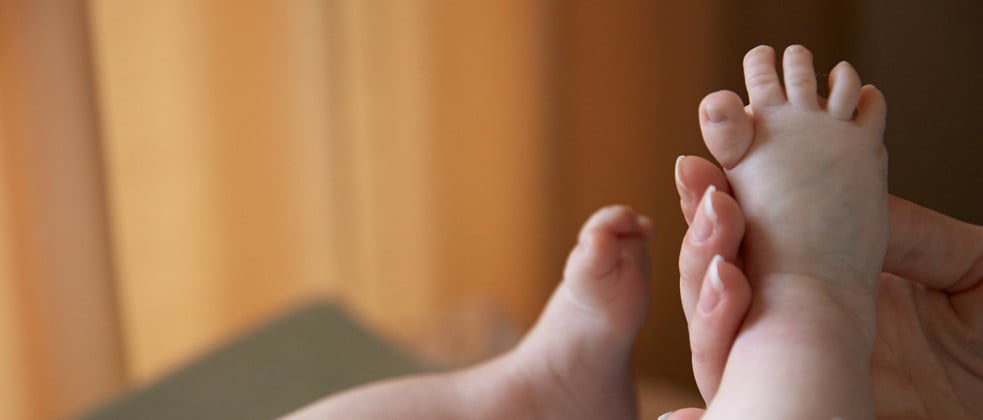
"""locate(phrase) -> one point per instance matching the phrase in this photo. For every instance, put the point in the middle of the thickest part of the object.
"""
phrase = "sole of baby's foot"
(575, 362)
(810, 177)
(810, 174)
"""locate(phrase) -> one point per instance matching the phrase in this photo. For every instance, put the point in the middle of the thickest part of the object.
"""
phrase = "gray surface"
(314, 351)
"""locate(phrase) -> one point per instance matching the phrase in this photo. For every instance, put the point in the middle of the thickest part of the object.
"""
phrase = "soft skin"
(926, 361)
(810, 175)
(574, 363)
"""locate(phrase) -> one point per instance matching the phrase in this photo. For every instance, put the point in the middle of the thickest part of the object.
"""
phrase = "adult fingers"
(724, 300)
(693, 175)
(717, 229)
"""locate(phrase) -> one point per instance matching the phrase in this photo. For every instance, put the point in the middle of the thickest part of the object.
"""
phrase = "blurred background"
(174, 173)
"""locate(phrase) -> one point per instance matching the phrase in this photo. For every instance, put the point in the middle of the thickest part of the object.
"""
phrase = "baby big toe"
(607, 271)
(598, 250)
(727, 129)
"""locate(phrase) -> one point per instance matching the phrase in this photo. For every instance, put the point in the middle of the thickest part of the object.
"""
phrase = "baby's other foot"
(575, 361)
(574, 364)
(809, 173)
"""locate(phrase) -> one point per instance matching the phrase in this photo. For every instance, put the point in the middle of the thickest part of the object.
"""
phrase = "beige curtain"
(172, 173)
(175, 172)
(61, 342)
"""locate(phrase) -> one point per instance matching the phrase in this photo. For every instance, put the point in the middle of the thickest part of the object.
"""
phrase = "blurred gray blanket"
(278, 368)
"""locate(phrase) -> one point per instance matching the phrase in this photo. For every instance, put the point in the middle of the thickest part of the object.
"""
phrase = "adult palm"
(928, 357)
(927, 361)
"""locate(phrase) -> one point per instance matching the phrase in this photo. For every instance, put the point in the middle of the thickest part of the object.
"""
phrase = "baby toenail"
(665, 416)
(714, 114)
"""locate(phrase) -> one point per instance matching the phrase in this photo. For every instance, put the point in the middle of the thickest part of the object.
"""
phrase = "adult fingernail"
(684, 193)
(665, 416)
(714, 289)
(703, 226)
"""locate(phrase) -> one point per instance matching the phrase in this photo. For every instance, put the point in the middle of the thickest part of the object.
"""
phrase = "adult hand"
(928, 356)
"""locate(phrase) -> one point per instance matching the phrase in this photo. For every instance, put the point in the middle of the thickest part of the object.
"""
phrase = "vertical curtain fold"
(56, 274)
(215, 135)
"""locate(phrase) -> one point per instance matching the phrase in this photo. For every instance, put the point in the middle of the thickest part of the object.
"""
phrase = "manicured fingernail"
(708, 204)
(665, 416)
(684, 193)
(703, 226)
(715, 281)
(714, 114)
(712, 292)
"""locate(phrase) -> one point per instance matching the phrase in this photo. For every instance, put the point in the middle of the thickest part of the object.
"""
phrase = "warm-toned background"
(172, 173)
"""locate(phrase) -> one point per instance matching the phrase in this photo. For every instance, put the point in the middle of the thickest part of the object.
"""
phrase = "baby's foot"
(574, 364)
(810, 175)
(575, 361)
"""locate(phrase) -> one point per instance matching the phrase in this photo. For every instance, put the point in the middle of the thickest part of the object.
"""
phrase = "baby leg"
(573, 364)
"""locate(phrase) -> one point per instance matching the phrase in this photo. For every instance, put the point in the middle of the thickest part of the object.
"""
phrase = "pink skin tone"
(925, 359)
(810, 178)
(574, 363)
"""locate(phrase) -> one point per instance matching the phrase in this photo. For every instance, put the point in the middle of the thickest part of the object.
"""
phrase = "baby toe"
(763, 86)
(872, 108)
(844, 91)
(727, 129)
(800, 77)
(598, 250)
